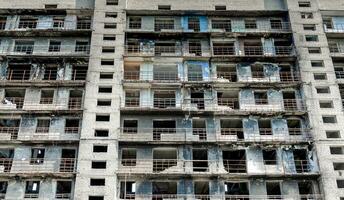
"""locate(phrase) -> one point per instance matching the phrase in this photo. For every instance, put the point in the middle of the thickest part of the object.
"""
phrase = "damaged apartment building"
(171, 99)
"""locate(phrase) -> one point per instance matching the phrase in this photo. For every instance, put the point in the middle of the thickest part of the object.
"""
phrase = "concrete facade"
(162, 99)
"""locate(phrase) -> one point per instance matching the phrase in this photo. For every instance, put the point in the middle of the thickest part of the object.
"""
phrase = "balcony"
(8, 133)
(56, 25)
(157, 103)
(272, 27)
(336, 50)
(18, 103)
(23, 75)
(153, 76)
(225, 167)
(335, 28)
(33, 166)
(290, 135)
(223, 197)
(46, 50)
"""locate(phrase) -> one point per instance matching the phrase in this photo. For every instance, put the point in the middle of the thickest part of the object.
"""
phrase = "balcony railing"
(18, 103)
(218, 51)
(54, 25)
(222, 104)
(336, 28)
(9, 133)
(30, 49)
(2, 24)
(62, 165)
(49, 75)
(227, 166)
(223, 197)
(164, 76)
(289, 135)
(336, 49)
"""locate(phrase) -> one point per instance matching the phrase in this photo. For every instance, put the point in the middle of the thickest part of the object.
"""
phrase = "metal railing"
(172, 76)
(226, 166)
(9, 133)
(2, 24)
(165, 76)
(73, 103)
(47, 50)
(222, 197)
(288, 135)
(222, 104)
(39, 165)
(336, 28)
(336, 48)
(55, 25)
(49, 75)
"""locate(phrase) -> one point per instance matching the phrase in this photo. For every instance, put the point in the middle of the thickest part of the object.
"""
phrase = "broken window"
(130, 126)
(276, 24)
(163, 127)
(83, 22)
(63, 189)
(223, 24)
(294, 126)
(79, 72)
(135, 22)
(195, 47)
(289, 100)
(132, 72)
(269, 156)
(328, 23)
(228, 98)
(75, 99)
(54, 46)
(261, 98)
(161, 48)
(82, 46)
(265, 127)
(201, 190)
(257, 71)
(250, 24)
(47, 97)
(199, 128)
(232, 127)
(67, 163)
(236, 188)
(72, 126)
(43, 126)
(3, 189)
(132, 98)
(10, 126)
(197, 98)
(164, 188)
(223, 48)
(165, 72)
(24, 46)
(128, 157)
(32, 189)
(58, 22)
(127, 190)
(163, 23)
(194, 24)
(273, 190)
(234, 161)
(164, 99)
(50, 71)
(15, 96)
(306, 189)
(254, 48)
(301, 160)
(195, 73)
(3, 22)
(28, 22)
(37, 156)
(164, 159)
(227, 72)
(200, 160)
(18, 71)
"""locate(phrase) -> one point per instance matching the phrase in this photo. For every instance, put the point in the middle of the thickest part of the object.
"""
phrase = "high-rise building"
(171, 99)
